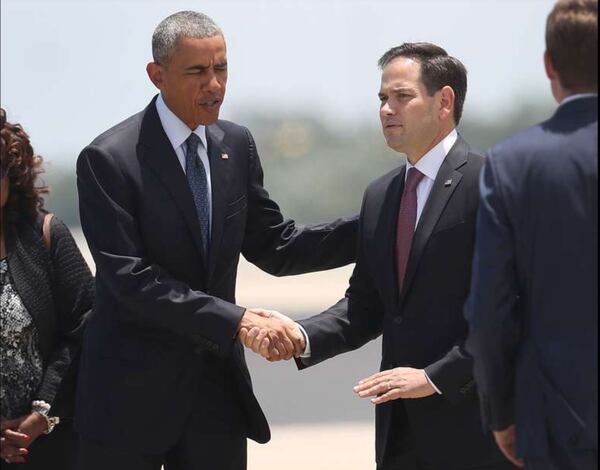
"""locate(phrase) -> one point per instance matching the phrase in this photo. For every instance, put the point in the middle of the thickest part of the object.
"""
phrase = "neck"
(414, 157)
(560, 93)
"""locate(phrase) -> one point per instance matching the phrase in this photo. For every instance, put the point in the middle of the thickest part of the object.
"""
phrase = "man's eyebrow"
(401, 88)
(197, 67)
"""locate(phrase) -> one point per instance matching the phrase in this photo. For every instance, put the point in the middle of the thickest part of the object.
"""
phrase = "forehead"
(401, 72)
(204, 49)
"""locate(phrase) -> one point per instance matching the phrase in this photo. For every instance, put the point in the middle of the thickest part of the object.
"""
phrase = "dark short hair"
(22, 166)
(572, 42)
(438, 70)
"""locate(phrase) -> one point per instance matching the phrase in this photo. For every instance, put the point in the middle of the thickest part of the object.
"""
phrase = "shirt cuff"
(306, 353)
(428, 380)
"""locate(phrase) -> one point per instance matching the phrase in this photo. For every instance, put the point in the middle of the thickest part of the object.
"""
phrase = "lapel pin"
(447, 183)
(224, 156)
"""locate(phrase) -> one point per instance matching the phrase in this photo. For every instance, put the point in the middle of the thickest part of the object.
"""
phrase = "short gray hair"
(183, 24)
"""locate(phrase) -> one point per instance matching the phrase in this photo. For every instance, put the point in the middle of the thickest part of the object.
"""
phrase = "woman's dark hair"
(22, 166)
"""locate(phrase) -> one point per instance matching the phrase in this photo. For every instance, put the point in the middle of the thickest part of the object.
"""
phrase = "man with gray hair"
(169, 198)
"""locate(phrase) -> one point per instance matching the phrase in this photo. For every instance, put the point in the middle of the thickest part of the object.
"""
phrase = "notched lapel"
(155, 149)
(386, 232)
(222, 162)
(446, 182)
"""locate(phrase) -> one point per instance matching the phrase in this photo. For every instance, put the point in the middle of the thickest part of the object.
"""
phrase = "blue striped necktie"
(196, 176)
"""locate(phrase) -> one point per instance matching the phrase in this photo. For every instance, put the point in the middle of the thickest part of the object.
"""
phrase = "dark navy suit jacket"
(161, 341)
(423, 325)
(533, 308)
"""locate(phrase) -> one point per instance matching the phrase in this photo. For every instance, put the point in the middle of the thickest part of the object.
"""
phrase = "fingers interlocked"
(275, 337)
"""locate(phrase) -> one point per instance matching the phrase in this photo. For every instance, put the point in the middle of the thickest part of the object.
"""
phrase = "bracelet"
(40, 407)
(43, 409)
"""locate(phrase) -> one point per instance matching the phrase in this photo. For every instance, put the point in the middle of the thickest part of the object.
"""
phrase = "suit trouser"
(561, 460)
(192, 452)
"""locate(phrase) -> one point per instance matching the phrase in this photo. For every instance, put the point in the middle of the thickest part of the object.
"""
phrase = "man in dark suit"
(169, 198)
(416, 234)
(533, 310)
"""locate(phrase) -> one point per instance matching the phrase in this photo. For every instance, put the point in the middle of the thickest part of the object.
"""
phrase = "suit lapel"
(386, 231)
(155, 149)
(441, 192)
(220, 174)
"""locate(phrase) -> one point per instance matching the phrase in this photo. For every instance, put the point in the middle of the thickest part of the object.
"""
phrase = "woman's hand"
(13, 444)
(33, 425)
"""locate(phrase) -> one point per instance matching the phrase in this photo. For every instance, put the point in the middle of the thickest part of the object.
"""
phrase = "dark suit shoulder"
(125, 131)
(473, 166)
(522, 142)
(230, 127)
(380, 185)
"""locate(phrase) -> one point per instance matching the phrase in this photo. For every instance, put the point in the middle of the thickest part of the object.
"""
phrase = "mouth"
(390, 126)
(210, 104)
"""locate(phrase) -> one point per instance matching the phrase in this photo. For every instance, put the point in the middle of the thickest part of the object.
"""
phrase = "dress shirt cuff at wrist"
(432, 384)
(306, 353)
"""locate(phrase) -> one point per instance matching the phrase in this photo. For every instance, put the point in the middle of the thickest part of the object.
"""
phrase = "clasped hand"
(271, 334)
(18, 434)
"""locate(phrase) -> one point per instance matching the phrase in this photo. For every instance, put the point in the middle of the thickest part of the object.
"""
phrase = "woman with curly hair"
(46, 293)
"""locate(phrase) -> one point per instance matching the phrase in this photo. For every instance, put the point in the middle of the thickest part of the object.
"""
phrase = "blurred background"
(303, 78)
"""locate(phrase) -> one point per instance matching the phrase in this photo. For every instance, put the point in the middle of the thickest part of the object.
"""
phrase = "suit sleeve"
(281, 247)
(148, 293)
(349, 324)
(491, 309)
(453, 374)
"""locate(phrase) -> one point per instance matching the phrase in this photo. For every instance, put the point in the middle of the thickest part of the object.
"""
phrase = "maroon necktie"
(407, 219)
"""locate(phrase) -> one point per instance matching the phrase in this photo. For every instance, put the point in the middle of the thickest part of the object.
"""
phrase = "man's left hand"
(401, 382)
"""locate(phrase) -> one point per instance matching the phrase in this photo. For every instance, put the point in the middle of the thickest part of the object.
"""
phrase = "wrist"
(39, 423)
(41, 410)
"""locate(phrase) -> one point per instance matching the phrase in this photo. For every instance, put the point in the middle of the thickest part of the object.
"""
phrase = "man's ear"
(446, 103)
(155, 73)
(549, 66)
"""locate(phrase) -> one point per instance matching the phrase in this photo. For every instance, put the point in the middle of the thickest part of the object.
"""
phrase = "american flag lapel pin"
(448, 183)
(224, 156)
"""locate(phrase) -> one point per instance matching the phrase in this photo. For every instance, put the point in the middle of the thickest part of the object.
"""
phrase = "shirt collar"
(430, 163)
(177, 131)
(577, 96)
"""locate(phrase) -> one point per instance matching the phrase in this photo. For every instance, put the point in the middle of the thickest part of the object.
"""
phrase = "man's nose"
(214, 84)
(386, 110)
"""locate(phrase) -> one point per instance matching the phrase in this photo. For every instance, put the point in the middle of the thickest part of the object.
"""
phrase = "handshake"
(271, 334)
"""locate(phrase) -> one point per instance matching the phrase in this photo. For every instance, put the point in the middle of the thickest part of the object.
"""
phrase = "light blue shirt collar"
(577, 96)
(177, 131)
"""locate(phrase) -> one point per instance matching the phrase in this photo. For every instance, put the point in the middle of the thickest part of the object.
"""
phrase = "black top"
(56, 288)
(20, 360)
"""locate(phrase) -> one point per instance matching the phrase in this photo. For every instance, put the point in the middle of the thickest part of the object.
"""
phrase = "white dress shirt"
(178, 132)
(429, 164)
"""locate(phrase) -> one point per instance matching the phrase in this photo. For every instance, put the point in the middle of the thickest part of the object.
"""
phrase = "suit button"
(398, 320)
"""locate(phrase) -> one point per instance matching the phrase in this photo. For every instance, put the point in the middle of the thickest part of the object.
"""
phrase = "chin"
(208, 119)
(395, 145)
